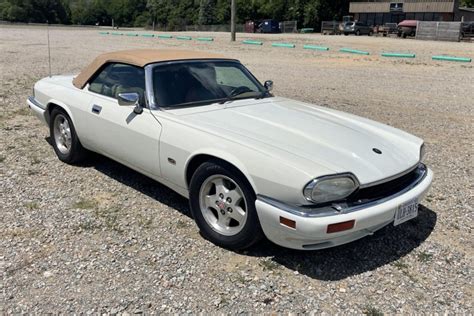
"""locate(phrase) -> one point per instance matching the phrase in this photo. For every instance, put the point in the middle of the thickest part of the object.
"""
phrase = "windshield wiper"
(263, 95)
(234, 97)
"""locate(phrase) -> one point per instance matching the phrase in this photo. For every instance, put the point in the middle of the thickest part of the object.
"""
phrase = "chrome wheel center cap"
(221, 205)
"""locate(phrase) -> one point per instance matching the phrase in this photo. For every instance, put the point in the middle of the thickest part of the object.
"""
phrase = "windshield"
(203, 82)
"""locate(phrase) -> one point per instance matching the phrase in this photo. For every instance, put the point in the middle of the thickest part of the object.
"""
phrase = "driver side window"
(118, 78)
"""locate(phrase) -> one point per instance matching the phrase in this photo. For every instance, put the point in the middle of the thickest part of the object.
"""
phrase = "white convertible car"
(251, 164)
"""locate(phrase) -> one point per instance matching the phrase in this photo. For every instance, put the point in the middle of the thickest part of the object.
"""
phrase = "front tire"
(64, 139)
(222, 203)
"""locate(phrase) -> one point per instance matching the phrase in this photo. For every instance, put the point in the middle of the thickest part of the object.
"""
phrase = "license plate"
(406, 211)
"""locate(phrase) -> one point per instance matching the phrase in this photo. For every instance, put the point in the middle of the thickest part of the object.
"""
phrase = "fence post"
(437, 30)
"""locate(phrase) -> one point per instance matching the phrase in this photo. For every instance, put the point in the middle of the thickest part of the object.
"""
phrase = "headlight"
(331, 188)
(422, 152)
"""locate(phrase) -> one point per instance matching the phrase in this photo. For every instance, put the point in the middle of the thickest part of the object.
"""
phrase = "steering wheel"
(239, 90)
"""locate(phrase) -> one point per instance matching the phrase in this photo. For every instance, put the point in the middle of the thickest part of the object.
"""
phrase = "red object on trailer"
(407, 28)
(408, 23)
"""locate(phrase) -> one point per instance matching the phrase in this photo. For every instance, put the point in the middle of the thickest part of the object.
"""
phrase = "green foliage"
(143, 19)
(206, 12)
(372, 311)
(39, 11)
(467, 3)
(172, 14)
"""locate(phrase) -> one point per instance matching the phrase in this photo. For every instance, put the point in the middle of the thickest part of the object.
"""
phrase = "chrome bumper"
(311, 225)
(344, 208)
(38, 109)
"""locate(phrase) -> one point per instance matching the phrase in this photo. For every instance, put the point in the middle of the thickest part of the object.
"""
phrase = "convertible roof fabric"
(140, 58)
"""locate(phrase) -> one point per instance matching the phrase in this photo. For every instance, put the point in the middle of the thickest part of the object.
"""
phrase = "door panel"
(116, 131)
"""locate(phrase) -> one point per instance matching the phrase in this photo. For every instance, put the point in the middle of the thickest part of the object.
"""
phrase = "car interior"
(119, 78)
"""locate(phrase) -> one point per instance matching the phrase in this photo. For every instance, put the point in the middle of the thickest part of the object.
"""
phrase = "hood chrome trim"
(395, 176)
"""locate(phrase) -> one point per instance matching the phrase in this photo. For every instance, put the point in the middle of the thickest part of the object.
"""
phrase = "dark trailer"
(269, 26)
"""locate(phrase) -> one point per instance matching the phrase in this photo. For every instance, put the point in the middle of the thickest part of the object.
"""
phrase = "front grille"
(385, 189)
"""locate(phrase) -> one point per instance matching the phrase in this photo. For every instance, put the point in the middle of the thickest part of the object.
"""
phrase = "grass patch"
(372, 311)
(35, 160)
(85, 204)
(181, 224)
(32, 172)
(400, 265)
(411, 277)
(110, 217)
(2, 158)
(88, 225)
(145, 222)
(107, 218)
(269, 265)
(32, 205)
(36, 257)
(424, 256)
(239, 278)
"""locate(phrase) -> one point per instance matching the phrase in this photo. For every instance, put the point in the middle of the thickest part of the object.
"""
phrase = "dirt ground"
(102, 238)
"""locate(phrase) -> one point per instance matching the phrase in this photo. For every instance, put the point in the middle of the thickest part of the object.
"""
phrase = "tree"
(173, 14)
(40, 11)
(87, 12)
(124, 12)
(206, 12)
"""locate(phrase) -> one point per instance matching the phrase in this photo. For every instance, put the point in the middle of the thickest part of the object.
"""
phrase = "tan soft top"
(140, 58)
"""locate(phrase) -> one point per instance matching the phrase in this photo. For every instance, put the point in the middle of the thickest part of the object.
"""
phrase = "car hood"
(332, 139)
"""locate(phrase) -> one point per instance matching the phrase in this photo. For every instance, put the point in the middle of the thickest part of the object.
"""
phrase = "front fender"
(226, 156)
(53, 102)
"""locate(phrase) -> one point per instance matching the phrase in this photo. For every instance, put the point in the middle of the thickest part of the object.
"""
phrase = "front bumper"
(310, 231)
(38, 109)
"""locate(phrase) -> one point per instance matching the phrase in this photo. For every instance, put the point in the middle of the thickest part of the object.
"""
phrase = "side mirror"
(127, 99)
(268, 85)
(130, 98)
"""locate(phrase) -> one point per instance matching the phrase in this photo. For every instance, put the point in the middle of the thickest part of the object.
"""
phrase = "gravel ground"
(102, 238)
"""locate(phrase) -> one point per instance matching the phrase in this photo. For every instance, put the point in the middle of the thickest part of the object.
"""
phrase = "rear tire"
(64, 139)
(222, 203)
(358, 33)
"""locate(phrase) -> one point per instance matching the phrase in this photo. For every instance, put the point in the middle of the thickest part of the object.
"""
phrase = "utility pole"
(232, 20)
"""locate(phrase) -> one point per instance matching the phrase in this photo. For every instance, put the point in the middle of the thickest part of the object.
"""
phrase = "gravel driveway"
(102, 238)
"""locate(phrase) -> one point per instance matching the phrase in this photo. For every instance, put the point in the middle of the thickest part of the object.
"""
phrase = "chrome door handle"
(96, 109)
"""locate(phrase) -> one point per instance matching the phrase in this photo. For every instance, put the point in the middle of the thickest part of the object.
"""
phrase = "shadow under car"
(369, 253)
